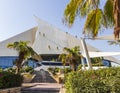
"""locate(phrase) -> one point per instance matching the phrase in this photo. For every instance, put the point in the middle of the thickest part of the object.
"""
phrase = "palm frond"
(108, 11)
(84, 9)
(78, 7)
(71, 11)
(63, 58)
(10, 46)
(95, 20)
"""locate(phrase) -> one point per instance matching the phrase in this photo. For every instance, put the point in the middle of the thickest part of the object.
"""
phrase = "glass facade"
(31, 63)
(107, 63)
(104, 62)
(7, 61)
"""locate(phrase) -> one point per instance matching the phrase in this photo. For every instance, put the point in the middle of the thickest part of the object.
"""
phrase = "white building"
(46, 40)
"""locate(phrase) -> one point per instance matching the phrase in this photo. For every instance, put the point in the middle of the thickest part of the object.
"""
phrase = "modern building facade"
(47, 40)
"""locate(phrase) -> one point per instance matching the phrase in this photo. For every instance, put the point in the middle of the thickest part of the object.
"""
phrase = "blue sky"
(17, 16)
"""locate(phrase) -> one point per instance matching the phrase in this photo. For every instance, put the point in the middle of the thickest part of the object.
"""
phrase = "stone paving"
(43, 77)
(41, 84)
(41, 88)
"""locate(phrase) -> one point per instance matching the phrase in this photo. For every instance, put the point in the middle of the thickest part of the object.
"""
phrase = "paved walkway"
(42, 83)
(41, 88)
(43, 77)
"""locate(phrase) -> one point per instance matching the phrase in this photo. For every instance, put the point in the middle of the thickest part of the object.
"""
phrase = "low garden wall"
(11, 90)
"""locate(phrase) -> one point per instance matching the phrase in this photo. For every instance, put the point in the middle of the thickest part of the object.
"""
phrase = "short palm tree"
(97, 60)
(24, 51)
(72, 56)
(96, 17)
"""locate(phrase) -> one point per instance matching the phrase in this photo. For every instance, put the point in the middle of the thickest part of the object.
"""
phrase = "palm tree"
(24, 51)
(63, 57)
(96, 17)
(72, 56)
(97, 60)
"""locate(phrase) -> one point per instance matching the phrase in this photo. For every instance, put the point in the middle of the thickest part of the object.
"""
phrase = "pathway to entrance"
(42, 83)
(41, 88)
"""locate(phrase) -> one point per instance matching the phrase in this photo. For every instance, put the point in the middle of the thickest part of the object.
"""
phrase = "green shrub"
(94, 81)
(67, 70)
(9, 79)
(57, 70)
(54, 70)
(50, 69)
(79, 67)
(27, 69)
(96, 64)
(12, 69)
(1, 69)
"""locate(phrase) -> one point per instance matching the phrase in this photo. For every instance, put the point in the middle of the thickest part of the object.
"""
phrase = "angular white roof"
(28, 35)
(101, 54)
(108, 37)
(51, 40)
(44, 39)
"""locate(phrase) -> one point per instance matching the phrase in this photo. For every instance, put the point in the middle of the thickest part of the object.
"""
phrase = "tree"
(96, 17)
(24, 51)
(97, 61)
(72, 56)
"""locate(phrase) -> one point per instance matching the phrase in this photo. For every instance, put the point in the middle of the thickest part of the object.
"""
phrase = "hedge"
(9, 79)
(105, 80)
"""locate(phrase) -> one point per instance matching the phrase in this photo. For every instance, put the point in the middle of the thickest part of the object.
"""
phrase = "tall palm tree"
(72, 56)
(24, 51)
(96, 17)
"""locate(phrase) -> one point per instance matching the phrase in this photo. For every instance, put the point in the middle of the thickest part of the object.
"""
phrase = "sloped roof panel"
(28, 35)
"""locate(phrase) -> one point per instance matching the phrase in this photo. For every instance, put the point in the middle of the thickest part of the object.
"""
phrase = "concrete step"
(40, 91)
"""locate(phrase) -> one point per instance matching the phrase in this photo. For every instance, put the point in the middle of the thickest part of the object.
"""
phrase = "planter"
(11, 90)
(61, 78)
(62, 90)
(28, 79)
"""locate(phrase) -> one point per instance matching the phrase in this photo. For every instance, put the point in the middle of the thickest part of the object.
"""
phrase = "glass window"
(7, 61)
(106, 63)
(45, 63)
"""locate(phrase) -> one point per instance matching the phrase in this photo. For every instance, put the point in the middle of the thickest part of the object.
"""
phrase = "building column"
(85, 51)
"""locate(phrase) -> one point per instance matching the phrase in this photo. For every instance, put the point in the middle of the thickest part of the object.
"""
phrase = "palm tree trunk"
(18, 66)
(18, 70)
(73, 64)
(74, 67)
(116, 12)
(20, 60)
